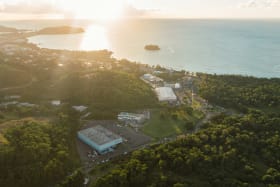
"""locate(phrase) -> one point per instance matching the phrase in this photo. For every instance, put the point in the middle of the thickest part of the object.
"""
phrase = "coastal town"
(108, 109)
(130, 126)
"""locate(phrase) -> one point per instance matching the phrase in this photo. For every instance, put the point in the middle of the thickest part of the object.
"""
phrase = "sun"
(93, 9)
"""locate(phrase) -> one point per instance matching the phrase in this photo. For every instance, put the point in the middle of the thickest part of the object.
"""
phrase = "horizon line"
(143, 18)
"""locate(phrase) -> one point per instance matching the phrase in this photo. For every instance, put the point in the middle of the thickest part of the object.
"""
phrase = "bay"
(246, 47)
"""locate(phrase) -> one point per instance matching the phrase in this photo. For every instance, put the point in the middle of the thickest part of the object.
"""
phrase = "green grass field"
(159, 127)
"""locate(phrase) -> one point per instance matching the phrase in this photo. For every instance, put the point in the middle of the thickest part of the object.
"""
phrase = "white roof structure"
(27, 104)
(123, 116)
(12, 97)
(165, 94)
(79, 108)
(177, 86)
(56, 102)
(152, 78)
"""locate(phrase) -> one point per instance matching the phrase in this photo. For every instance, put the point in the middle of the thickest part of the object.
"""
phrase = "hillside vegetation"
(61, 30)
(106, 90)
(37, 153)
(230, 151)
(7, 29)
(240, 92)
(11, 77)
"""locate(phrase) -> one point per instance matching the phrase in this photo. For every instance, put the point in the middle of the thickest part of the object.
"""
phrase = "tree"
(76, 179)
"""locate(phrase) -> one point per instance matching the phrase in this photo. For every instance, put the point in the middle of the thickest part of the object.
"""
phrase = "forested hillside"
(12, 76)
(38, 153)
(107, 89)
(240, 92)
(229, 151)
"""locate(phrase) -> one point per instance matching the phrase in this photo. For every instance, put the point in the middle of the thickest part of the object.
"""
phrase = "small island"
(152, 47)
(61, 30)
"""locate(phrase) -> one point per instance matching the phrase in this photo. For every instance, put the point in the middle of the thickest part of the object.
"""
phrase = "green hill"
(240, 92)
(61, 30)
(106, 88)
(230, 151)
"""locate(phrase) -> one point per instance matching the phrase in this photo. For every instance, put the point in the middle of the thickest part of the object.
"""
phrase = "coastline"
(182, 55)
(133, 60)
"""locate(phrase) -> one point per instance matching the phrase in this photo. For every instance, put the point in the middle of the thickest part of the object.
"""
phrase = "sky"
(117, 9)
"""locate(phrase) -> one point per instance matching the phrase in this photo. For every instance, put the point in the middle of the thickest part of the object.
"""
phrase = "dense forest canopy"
(37, 153)
(229, 151)
(240, 92)
(112, 89)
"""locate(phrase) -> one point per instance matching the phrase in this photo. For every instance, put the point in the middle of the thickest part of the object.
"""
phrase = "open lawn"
(159, 127)
(164, 124)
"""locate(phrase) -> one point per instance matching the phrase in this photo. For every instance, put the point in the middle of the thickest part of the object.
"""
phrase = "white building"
(151, 78)
(12, 97)
(80, 108)
(174, 86)
(56, 102)
(131, 117)
(5, 104)
(177, 86)
(166, 94)
(26, 104)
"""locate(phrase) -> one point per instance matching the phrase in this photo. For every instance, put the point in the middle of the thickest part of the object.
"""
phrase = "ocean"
(246, 47)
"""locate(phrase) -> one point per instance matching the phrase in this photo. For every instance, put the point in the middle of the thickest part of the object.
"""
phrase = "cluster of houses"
(14, 100)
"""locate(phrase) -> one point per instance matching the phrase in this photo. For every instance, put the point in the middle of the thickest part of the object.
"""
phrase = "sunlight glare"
(94, 9)
(95, 39)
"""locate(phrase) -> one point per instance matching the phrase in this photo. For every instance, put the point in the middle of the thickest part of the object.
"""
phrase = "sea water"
(246, 47)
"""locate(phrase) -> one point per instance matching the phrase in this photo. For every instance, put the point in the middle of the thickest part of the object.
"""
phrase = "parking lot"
(132, 140)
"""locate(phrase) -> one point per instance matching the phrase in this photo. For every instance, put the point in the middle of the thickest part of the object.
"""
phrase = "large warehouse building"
(100, 139)
(166, 94)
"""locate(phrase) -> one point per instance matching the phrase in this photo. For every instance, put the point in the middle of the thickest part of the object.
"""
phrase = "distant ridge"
(61, 30)
(7, 29)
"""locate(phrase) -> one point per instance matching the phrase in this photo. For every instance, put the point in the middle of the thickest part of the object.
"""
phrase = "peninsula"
(7, 29)
(61, 30)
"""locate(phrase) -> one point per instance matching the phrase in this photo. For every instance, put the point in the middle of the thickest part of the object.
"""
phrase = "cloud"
(129, 10)
(132, 12)
(54, 7)
(29, 8)
(260, 4)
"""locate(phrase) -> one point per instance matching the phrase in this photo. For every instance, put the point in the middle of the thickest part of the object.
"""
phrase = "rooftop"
(80, 108)
(99, 135)
(166, 94)
(130, 114)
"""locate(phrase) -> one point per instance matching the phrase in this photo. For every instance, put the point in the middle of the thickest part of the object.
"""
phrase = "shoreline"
(151, 65)
(153, 61)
